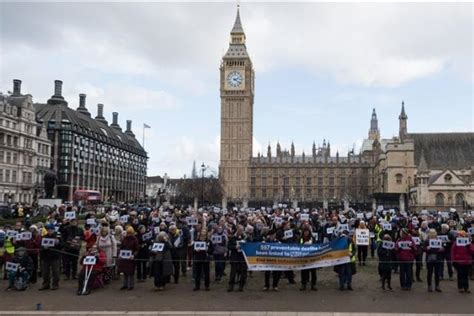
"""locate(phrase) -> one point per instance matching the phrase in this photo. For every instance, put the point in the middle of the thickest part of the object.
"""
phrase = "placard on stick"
(89, 260)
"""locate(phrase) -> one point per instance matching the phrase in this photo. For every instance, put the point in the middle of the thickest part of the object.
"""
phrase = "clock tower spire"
(237, 96)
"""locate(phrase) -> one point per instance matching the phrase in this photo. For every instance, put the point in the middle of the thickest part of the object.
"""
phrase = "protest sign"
(387, 226)
(11, 266)
(278, 220)
(125, 254)
(405, 245)
(362, 237)
(11, 233)
(200, 245)
(95, 230)
(91, 221)
(70, 215)
(330, 230)
(89, 260)
(216, 239)
(282, 257)
(360, 215)
(388, 244)
(443, 238)
(24, 236)
(470, 230)
(435, 243)
(191, 221)
(368, 215)
(416, 240)
(372, 235)
(288, 234)
(48, 242)
(156, 230)
(304, 217)
(124, 219)
(148, 235)
(460, 241)
(158, 247)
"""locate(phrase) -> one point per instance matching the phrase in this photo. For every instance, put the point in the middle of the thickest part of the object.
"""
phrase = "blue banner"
(280, 257)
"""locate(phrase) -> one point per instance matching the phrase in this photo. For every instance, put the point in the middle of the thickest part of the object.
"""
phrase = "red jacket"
(462, 254)
(406, 254)
(99, 264)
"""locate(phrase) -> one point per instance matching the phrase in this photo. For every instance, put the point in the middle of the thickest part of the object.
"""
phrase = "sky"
(320, 69)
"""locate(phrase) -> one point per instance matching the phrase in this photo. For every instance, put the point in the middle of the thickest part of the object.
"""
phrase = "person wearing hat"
(386, 256)
(143, 253)
(127, 265)
(433, 261)
(33, 247)
(462, 261)
(50, 257)
(276, 275)
(345, 270)
(71, 235)
(162, 262)
(19, 279)
(406, 257)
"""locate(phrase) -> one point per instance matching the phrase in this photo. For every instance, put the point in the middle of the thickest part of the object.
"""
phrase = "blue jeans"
(345, 275)
(406, 274)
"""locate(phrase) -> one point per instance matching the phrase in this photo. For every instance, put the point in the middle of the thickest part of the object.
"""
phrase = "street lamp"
(203, 168)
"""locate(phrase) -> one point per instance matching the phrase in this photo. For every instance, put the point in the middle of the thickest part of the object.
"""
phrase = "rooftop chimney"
(129, 129)
(115, 121)
(57, 97)
(16, 86)
(82, 105)
(100, 114)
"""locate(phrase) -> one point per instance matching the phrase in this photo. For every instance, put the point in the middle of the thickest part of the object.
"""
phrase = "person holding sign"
(71, 235)
(33, 246)
(144, 241)
(96, 269)
(19, 278)
(127, 265)
(162, 261)
(362, 239)
(178, 251)
(462, 261)
(307, 239)
(237, 260)
(50, 259)
(405, 249)
(201, 250)
(434, 250)
(386, 254)
(219, 242)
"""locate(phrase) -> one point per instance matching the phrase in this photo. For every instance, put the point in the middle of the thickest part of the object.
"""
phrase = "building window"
(440, 199)
(308, 192)
(331, 180)
(264, 193)
(398, 178)
(459, 199)
(320, 181)
(286, 181)
(264, 181)
(252, 181)
(275, 180)
(14, 176)
(448, 178)
(275, 193)
(298, 181)
(286, 193)
(252, 192)
(308, 181)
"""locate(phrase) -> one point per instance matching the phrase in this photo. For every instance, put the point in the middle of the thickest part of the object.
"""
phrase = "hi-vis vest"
(353, 257)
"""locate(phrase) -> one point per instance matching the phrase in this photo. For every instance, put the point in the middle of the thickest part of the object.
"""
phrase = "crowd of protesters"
(138, 242)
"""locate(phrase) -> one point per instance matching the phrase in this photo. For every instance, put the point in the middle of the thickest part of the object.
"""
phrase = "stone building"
(385, 171)
(24, 148)
(90, 154)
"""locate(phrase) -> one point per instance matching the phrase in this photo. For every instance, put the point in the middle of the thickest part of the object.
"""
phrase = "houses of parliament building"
(415, 170)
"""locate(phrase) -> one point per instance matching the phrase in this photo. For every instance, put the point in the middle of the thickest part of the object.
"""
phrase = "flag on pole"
(146, 125)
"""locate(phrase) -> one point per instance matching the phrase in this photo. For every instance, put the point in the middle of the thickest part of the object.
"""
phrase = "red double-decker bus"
(87, 196)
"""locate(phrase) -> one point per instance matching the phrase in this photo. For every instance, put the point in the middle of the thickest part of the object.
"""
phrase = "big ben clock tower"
(237, 94)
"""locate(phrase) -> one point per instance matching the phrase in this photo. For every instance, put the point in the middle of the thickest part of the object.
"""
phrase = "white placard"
(388, 244)
(443, 238)
(424, 212)
(403, 213)
(155, 219)
(416, 240)
(415, 222)
(125, 254)
(200, 245)
(368, 215)
(216, 239)
(156, 229)
(406, 245)
(470, 230)
(387, 226)
(315, 236)
(24, 236)
(11, 266)
(444, 214)
(11, 233)
(362, 237)
(435, 243)
(124, 219)
(452, 210)
(191, 221)
(48, 242)
(89, 260)
(379, 208)
(70, 215)
(278, 220)
(95, 230)
(304, 217)
(330, 230)
(148, 235)
(288, 234)
(91, 221)
(461, 241)
(360, 215)
(158, 247)
(372, 235)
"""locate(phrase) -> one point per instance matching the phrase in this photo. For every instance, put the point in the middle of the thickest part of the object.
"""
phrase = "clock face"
(234, 79)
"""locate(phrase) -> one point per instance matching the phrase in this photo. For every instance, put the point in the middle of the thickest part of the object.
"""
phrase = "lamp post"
(203, 168)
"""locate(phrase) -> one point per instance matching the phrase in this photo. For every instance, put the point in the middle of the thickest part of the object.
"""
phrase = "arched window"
(398, 178)
(459, 199)
(440, 199)
(448, 178)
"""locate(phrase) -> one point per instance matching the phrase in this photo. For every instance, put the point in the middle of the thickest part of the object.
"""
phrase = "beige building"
(25, 151)
(385, 171)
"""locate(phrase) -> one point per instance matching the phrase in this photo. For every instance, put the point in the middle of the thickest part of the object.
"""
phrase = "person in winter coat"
(71, 236)
(162, 262)
(219, 252)
(386, 256)
(178, 250)
(25, 268)
(101, 259)
(405, 249)
(144, 242)
(50, 260)
(127, 265)
(462, 261)
(106, 243)
(307, 239)
(345, 270)
(434, 258)
(362, 250)
(201, 257)
(237, 260)
(33, 247)
(276, 275)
